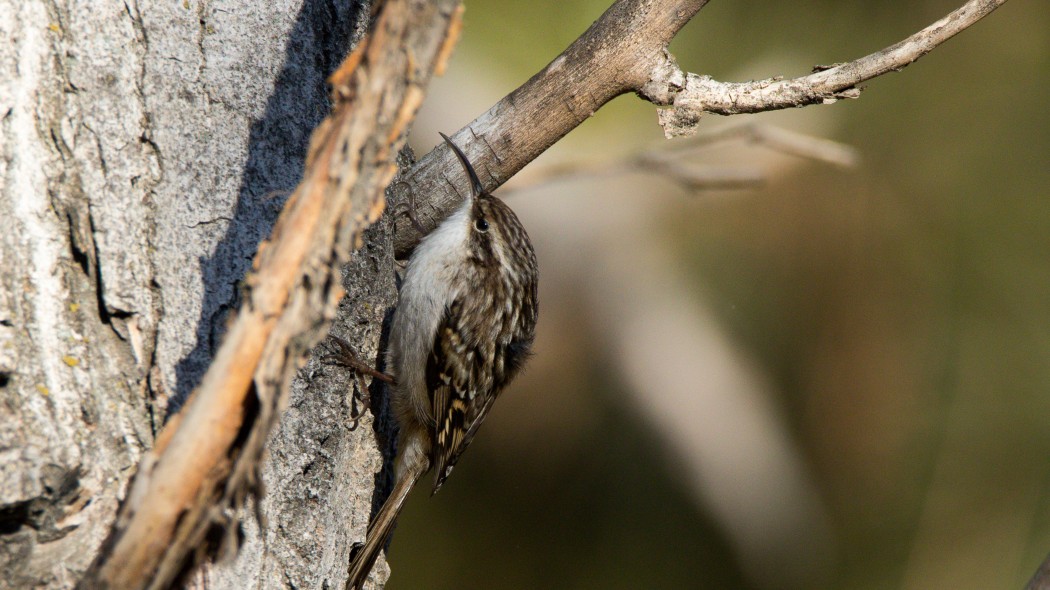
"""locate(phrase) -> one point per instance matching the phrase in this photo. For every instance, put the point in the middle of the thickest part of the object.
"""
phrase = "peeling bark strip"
(626, 51)
(210, 453)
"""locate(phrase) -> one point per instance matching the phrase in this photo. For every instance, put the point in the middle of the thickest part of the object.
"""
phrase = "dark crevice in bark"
(61, 488)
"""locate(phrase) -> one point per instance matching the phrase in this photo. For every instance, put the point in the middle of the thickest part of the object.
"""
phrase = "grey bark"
(146, 149)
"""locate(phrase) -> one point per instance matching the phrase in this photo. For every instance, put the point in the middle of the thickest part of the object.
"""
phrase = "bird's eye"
(481, 225)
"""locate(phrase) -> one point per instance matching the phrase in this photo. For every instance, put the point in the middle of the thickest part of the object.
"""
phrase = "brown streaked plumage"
(462, 330)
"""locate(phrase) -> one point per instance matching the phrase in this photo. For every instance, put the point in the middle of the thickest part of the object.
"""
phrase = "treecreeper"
(463, 327)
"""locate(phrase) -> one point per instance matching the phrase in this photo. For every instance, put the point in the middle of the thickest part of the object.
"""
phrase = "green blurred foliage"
(902, 310)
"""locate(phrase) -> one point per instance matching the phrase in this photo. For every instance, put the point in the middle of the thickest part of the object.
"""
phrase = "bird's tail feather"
(379, 530)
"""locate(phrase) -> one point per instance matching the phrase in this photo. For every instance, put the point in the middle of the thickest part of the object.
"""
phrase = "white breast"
(425, 292)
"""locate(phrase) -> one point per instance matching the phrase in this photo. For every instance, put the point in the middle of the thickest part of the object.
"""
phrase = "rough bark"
(206, 462)
(146, 150)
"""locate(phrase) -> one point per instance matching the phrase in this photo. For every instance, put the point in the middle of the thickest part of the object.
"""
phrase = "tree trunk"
(146, 150)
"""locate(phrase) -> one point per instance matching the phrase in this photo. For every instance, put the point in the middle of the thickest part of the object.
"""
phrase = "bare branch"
(781, 140)
(626, 51)
(206, 459)
(616, 55)
(671, 160)
(702, 94)
(709, 178)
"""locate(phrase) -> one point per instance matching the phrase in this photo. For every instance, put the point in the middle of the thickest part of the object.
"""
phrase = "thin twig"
(672, 160)
(702, 94)
(778, 139)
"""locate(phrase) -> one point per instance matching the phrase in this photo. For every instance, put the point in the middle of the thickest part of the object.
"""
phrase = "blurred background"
(837, 379)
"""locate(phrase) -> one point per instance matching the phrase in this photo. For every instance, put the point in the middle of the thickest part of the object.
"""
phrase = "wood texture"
(292, 292)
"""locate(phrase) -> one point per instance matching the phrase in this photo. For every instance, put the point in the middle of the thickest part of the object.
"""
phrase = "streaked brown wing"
(453, 381)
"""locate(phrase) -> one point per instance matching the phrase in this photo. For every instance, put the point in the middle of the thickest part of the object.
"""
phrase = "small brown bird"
(463, 327)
